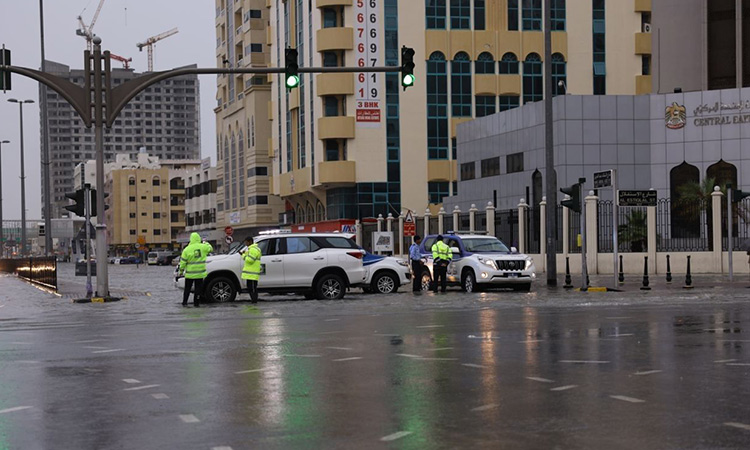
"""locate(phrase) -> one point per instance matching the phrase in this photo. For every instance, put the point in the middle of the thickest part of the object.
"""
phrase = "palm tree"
(635, 231)
(698, 192)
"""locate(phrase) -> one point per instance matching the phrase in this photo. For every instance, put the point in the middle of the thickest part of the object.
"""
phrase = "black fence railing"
(683, 226)
(632, 227)
(506, 226)
(41, 270)
(533, 219)
(740, 226)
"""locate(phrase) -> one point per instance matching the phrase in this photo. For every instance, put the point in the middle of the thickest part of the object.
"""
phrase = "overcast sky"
(121, 24)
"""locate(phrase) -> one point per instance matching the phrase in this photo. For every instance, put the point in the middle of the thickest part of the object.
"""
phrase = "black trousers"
(252, 287)
(441, 270)
(416, 268)
(189, 282)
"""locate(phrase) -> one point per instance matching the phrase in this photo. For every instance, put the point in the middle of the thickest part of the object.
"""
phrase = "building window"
(514, 162)
(532, 15)
(131, 181)
(461, 85)
(437, 190)
(257, 200)
(155, 182)
(435, 12)
(646, 65)
(331, 106)
(468, 171)
(485, 105)
(599, 47)
(157, 215)
(512, 15)
(508, 102)
(558, 15)
(533, 84)
(437, 109)
(330, 18)
(509, 64)
(490, 167)
(132, 232)
(132, 215)
(460, 14)
(157, 232)
(132, 198)
(558, 74)
(479, 15)
(330, 59)
(485, 63)
(157, 199)
(332, 150)
(256, 48)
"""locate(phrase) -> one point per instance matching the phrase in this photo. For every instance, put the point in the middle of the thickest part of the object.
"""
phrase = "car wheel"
(469, 282)
(385, 283)
(220, 290)
(522, 288)
(330, 287)
(426, 281)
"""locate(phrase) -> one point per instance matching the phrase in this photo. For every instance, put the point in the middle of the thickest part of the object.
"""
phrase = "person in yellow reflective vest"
(193, 265)
(441, 257)
(251, 268)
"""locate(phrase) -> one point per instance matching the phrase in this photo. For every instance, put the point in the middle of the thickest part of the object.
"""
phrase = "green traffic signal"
(291, 68)
(292, 81)
(407, 67)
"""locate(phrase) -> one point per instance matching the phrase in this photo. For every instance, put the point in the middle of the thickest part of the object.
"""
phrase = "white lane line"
(647, 372)
(302, 356)
(28, 362)
(725, 360)
(90, 341)
(347, 359)
(110, 350)
(2, 306)
(17, 408)
(21, 343)
(160, 396)
(340, 348)
(130, 380)
(729, 424)
(189, 418)
(486, 407)
(564, 388)
(627, 399)
(738, 364)
(541, 380)
(331, 320)
(331, 332)
(476, 366)
(407, 355)
(438, 359)
(439, 349)
(394, 436)
(430, 326)
(264, 369)
(93, 347)
(138, 388)
(577, 361)
(531, 341)
(223, 447)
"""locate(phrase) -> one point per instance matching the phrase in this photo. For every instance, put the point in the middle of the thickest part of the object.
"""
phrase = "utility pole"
(47, 193)
(549, 155)
(2, 250)
(24, 249)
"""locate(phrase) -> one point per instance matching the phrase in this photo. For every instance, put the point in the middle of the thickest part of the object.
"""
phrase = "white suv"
(318, 265)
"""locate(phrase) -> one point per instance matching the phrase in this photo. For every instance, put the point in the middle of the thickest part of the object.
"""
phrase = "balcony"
(643, 43)
(340, 127)
(326, 3)
(337, 173)
(642, 5)
(335, 84)
(339, 38)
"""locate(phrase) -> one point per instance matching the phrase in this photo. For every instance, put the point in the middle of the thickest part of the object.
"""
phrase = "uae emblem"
(675, 116)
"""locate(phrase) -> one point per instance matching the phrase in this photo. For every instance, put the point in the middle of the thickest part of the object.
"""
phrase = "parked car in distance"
(175, 261)
(131, 260)
(153, 257)
(385, 274)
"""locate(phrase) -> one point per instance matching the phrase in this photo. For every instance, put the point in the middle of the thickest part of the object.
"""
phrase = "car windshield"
(485, 245)
(236, 247)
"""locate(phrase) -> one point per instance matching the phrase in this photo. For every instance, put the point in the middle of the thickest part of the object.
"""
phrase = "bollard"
(688, 277)
(645, 275)
(621, 278)
(567, 284)
(669, 271)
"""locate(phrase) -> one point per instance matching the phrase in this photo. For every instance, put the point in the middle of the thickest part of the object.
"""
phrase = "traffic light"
(4, 74)
(407, 67)
(79, 208)
(291, 68)
(93, 202)
(574, 192)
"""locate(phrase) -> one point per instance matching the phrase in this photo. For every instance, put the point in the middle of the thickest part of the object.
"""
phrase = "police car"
(385, 274)
(480, 261)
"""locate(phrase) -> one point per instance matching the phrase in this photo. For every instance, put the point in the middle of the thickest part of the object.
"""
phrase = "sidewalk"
(657, 283)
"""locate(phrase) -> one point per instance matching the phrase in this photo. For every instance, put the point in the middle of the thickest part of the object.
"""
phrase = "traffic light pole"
(549, 153)
(730, 219)
(584, 265)
(87, 224)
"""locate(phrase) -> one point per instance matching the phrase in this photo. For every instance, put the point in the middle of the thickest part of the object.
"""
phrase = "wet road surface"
(493, 370)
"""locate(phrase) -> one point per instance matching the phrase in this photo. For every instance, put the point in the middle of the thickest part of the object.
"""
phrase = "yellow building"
(243, 166)
(357, 145)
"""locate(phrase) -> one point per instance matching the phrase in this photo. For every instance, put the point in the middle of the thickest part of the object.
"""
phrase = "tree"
(634, 231)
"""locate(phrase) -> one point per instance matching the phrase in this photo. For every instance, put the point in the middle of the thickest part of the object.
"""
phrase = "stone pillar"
(358, 232)
(651, 240)
(472, 218)
(490, 209)
(427, 215)
(401, 233)
(441, 221)
(389, 228)
(522, 225)
(380, 222)
(716, 197)
(592, 232)
(456, 218)
(542, 234)
(566, 229)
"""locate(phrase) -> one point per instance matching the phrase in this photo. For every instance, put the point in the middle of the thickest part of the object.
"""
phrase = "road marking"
(138, 388)
(21, 343)
(17, 408)
(340, 348)
(331, 320)
(223, 447)
(93, 347)
(130, 380)
(430, 326)
(647, 372)
(734, 340)
(627, 399)
(264, 369)
(90, 341)
(406, 355)
(189, 418)
(729, 424)
(28, 362)
(621, 335)
(531, 341)
(348, 359)
(439, 359)
(440, 349)
(384, 334)
(575, 361)
(541, 380)
(564, 388)
(725, 360)
(486, 407)
(476, 366)
(110, 350)
(2, 306)
(160, 396)
(331, 332)
(738, 364)
(302, 356)
(394, 436)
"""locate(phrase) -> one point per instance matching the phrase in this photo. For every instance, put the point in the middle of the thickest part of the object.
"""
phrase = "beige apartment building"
(357, 145)
(244, 154)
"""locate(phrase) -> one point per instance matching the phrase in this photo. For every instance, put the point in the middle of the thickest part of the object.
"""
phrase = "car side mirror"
(513, 250)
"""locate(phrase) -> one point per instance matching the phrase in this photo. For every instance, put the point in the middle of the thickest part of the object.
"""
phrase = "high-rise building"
(357, 145)
(165, 119)
(200, 204)
(243, 166)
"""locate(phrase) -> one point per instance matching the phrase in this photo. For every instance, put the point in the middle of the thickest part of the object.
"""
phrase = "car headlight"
(488, 262)
(403, 263)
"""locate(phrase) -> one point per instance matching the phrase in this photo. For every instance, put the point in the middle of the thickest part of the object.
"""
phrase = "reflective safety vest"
(193, 258)
(251, 269)
(440, 250)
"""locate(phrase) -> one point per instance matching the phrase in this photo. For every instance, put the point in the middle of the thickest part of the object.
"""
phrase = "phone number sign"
(367, 53)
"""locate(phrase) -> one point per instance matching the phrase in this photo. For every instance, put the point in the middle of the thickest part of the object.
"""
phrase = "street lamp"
(2, 251)
(24, 250)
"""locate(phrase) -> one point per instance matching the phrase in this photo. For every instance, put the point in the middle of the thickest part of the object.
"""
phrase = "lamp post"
(47, 193)
(24, 250)
(2, 251)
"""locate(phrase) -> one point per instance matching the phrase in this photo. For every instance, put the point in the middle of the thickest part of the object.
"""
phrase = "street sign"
(602, 179)
(228, 231)
(228, 239)
(382, 241)
(410, 228)
(636, 198)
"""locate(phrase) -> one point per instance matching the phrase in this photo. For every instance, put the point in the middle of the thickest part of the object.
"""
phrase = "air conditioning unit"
(646, 27)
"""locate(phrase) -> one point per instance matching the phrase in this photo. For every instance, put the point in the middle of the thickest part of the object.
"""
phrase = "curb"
(97, 300)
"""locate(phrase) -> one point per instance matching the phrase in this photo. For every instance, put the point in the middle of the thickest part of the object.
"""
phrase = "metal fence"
(740, 225)
(533, 230)
(480, 221)
(632, 233)
(683, 226)
(506, 227)
(42, 270)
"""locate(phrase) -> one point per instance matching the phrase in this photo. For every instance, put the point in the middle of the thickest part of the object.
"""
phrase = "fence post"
(490, 210)
(358, 232)
(456, 218)
(522, 228)
(651, 239)
(389, 228)
(592, 233)
(380, 223)
(427, 215)
(566, 229)
(441, 220)
(472, 218)
(542, 234)
(401, 233)
(716, 196)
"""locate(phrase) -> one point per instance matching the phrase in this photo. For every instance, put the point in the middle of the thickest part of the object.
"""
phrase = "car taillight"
(358, 255)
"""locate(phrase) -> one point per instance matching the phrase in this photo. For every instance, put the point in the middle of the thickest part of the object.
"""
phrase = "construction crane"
(150, 44)
(125, 61)
(87, 32)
